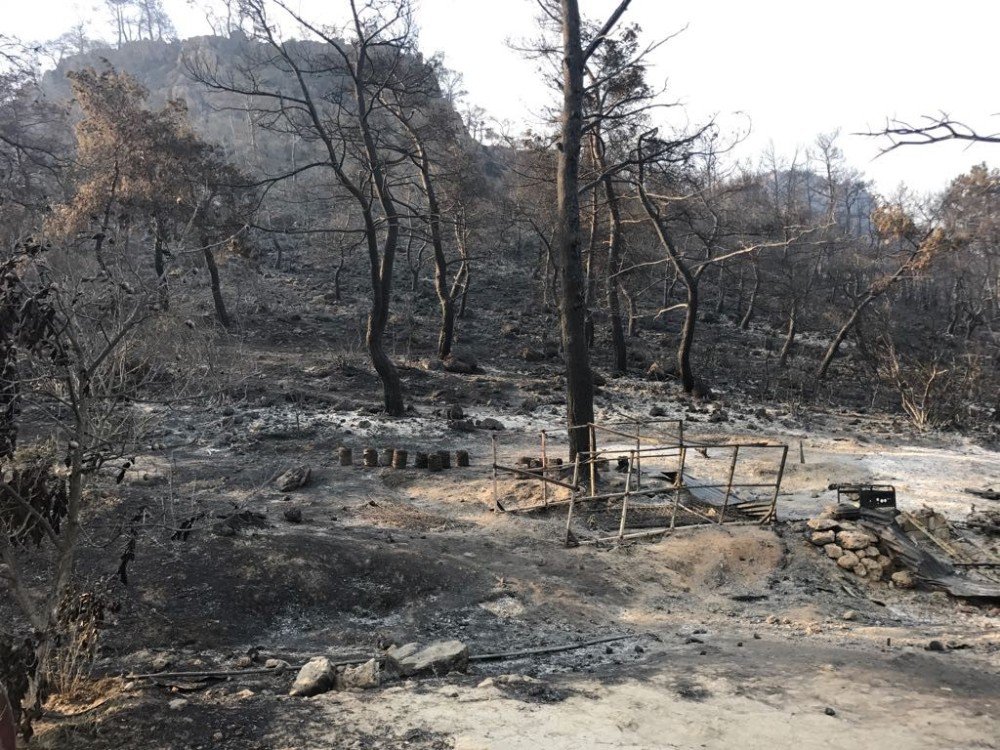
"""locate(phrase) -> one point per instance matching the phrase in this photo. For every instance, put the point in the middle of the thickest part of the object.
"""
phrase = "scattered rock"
(872, 564)
(462, 425)
(657, 411)
(293, 515)
(489, 423)
(460, 366)
(317, 676)
(161, 663)
(829, 711)
(823, 538)
(361, 677)
(823, 524)
(146, 479)
(279, 665)
(850, 615)
(833, 551)
(853, 540)
(935, 646)
(848, 561)
(456, 412)
(659, 372)
(177, 704)
(531, 355)
(293, 479)
(247, 519)
(528, 405)
(903, 579)
(437, 658)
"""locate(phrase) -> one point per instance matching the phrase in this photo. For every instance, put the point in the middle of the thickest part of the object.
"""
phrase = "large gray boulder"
(436, 658)
(317, 676)
(361, 677)
(293, 479)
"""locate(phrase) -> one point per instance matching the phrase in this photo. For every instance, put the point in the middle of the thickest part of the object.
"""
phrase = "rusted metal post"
(628, 488)
(802, 453)
(496, 491)
(592, 457)
(673, 513)
(729, 483)
(638, 457)
(682, 456)
(572, 498)
(545, 465)
(773, 514)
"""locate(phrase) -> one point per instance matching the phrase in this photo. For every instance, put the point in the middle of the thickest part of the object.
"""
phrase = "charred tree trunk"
(446, 336)
(875, 290)
(686, 343)
(720, 303)
(616, 241)
(392, 387)
(751, 305)
(337, 274)
(591, 253)
(573, 303)
(633, 312)
(378, 317)
(841, 336)
(446, 296)
(213, 275)
(686, 276)
(159, 263)
(465, 295)
(668, 288)
(786, 348)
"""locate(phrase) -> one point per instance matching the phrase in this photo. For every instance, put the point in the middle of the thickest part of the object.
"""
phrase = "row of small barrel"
(399, 459)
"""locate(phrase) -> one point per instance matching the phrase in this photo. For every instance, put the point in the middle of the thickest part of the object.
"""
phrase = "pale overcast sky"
(795, 68)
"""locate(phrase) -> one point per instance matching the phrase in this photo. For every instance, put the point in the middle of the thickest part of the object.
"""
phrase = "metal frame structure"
(645, 447)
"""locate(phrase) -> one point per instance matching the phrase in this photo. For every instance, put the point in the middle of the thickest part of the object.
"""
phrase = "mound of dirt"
(725, 560)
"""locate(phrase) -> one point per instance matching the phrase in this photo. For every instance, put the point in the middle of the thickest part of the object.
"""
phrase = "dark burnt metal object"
(868, 496)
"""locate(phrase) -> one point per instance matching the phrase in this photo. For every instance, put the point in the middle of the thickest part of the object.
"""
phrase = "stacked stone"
(852, 547)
